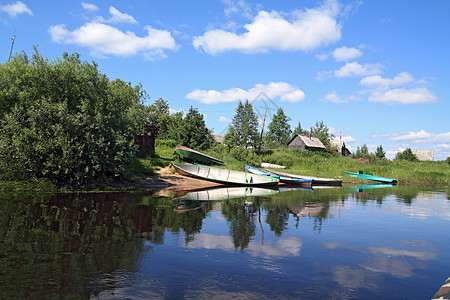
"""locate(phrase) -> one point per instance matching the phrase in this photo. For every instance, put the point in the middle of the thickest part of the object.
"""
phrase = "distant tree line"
(243, 130)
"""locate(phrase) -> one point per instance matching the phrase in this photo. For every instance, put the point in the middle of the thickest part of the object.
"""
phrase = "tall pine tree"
(194, 133)
(243, 131)
(279, 131)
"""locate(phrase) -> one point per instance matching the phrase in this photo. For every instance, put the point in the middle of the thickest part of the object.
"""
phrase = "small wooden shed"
(306, 142)
(342, 149)
(146, 141)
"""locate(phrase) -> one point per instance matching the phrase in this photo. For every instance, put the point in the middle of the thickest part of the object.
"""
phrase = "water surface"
(370, 242)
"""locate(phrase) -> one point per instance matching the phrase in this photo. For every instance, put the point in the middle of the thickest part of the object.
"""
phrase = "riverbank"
(154, 172)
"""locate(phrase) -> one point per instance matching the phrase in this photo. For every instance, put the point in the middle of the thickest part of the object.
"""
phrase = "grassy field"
(302, 162)
(321, 164)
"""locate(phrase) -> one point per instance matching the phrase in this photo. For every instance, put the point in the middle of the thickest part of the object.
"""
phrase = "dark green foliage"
(362, 152)
(279, 131)
(194, 133)
(380, 152)
(65, 121)
(299, 130)
(406, 155)
(159, 115)
(321, 131)
(243, 131)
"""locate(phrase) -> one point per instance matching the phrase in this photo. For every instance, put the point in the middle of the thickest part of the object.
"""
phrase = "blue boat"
(283, 179)
(361, 175)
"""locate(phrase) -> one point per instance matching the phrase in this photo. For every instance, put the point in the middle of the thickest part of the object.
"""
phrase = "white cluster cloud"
(15, 9)
(104, 39)
(397, 90)
(304, 30)
(89, 6)
(283, 90)
(420, 137)
(351, 69)
(345, 54)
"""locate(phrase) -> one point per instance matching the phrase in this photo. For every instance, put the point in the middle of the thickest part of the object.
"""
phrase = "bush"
(65, 121)
(407, 155)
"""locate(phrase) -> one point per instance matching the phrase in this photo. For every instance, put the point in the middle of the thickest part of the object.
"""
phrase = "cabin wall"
(146, 142)
(297, 143)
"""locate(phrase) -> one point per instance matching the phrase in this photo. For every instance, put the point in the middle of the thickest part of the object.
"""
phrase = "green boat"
(192, 155)
(361, 175)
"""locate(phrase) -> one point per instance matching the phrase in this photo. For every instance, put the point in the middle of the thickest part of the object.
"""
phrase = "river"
(367, 242)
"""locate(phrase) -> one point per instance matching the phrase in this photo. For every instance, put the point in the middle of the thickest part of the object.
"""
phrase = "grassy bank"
(297, 162)
(326, 165)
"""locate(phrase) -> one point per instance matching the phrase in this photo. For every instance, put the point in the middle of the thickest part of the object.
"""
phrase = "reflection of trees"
(240, 217)
(277, 218)
(65, 245)
(173, 221)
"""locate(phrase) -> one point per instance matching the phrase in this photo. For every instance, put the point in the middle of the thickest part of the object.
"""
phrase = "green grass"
(325, 164)
(303, 162)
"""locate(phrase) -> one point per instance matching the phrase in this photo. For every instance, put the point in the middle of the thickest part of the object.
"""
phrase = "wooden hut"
(146, 141)
(306, 142)
(341, 148)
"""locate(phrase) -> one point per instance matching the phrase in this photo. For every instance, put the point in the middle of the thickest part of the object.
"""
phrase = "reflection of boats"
(361, 175)
(309, 209)
(361, 188)
(195, 156)
(315, 180)
(222, 193)
(283, 178)
(187, 205)
(224, 176)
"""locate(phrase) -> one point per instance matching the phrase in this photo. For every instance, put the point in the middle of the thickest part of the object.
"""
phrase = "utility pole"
(262, 130)
(12, 46)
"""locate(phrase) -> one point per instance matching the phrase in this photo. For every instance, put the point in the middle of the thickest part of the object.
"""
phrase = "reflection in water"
(326, 243)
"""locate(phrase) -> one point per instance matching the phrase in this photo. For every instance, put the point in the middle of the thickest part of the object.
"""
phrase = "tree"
(159, 115)
(194, 133)
(65, 121)
(362, 152)
(407, 155)
(279, 131)
(321, 131)
(380, 152)
(299, 130)
(174, 126)
(243, 131)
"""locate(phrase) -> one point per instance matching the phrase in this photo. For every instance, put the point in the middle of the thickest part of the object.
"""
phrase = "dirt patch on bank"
(169, 180)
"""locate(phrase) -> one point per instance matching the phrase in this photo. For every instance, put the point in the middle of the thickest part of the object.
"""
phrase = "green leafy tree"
(362, 152)
(159, 115)
(65, 121)
(322, 132)
(407, 155)
(299, 130)
(194, 133)
(279, 131)
(243, 131)
(380, 153)
(174, 126)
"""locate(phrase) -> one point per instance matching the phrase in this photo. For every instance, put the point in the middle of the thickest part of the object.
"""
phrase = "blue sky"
(376, 72)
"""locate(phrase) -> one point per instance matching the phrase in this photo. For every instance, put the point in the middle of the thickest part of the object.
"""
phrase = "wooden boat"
(361, 175)
(283, 179)
(225, 176)
(222, 193)
(186, 153)
(316, 181)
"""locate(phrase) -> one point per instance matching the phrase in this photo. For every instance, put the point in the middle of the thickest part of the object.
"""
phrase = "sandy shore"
(169, 180)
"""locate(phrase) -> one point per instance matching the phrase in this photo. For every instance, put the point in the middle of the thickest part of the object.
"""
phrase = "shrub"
(65, 121)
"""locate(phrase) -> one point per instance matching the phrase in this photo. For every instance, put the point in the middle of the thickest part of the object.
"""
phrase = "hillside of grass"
(320, 164)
